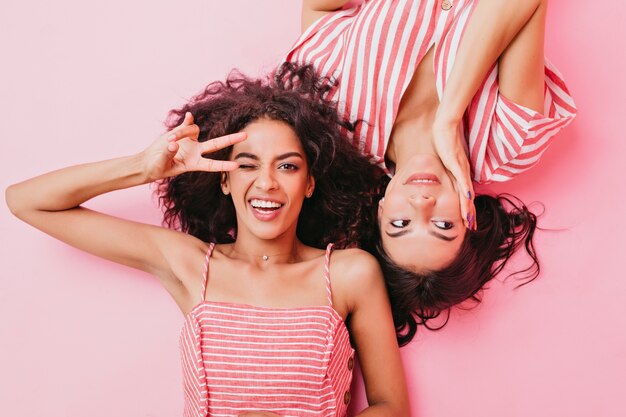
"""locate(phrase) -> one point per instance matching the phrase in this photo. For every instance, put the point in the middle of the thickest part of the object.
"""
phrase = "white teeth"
(423, 182)
(265, 204)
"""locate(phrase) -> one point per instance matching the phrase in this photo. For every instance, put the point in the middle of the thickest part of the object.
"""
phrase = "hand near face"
(449, 146)
(179, 151)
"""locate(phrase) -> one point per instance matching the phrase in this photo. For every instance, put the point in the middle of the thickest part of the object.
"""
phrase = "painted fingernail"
(470, 221)
(469, 195)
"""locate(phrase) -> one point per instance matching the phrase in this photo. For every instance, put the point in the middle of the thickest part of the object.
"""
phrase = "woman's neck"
(410, 137)
(413, 126)
(262, 253)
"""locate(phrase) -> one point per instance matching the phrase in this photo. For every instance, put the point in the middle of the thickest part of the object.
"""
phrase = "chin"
(268, 233)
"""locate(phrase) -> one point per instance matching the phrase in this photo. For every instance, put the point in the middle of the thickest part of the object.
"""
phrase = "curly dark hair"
(504, 224)
(345, 182)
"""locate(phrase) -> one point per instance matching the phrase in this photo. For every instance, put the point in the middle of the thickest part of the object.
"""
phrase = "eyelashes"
(400, 224)
(439, 224)
(282, 167)
(442, 224)
(288, 166)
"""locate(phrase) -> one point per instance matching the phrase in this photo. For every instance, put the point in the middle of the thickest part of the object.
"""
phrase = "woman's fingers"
(216, 144)
(172, 147)
(466, 194)
(184, 149)
(467, 206)
(452, 153)
(184, 131)
(212, 165)
(459, 166)
(222, 142)
(186, 128)
(188, 120)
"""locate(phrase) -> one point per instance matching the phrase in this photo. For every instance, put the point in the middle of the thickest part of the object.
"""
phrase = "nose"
(266, 180)
(422, 201)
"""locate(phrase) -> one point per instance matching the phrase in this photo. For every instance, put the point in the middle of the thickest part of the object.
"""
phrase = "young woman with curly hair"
(271, 311)
(450, 91)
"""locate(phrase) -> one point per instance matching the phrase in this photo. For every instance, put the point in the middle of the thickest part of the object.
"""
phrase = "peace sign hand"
(179, 151)
(450, 149)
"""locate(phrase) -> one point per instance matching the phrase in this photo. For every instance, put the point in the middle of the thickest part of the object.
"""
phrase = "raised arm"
(511, 33)
(314, 9)
(372, 330)
(496, 30)
(51, 202)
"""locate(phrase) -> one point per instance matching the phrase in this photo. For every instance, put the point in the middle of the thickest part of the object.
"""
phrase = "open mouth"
(423, 179)
(265, 205)
(265, 209)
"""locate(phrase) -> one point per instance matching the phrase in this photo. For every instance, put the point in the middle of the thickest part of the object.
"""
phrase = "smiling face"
(272, 180)
(420, 217)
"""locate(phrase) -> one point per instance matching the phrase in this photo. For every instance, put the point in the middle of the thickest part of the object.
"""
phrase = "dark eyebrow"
(289, 155)
(278, 158)
(433, 233)
(246, 155)
(398, 234)
(441, 236)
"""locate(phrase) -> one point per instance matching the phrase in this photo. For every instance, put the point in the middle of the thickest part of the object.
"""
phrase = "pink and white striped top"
(373, 48)
(293, 362)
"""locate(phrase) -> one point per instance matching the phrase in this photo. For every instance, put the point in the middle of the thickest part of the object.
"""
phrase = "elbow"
(400, 410)
(325, 5)
(394, 408)
(14, 201)
(11, 200)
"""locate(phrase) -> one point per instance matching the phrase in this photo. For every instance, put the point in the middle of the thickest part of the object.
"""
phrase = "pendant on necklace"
(265, 257)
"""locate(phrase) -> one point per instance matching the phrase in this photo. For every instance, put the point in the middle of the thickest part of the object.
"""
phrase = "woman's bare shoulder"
(356, 270)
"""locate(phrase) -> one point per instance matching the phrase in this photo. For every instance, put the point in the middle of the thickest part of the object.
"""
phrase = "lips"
(423, 179)
(265, 209)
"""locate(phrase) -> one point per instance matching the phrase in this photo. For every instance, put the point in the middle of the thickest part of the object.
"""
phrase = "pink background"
(80, 336)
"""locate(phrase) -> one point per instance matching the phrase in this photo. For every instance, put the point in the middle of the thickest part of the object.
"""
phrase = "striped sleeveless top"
(373, 48)
(293, 362)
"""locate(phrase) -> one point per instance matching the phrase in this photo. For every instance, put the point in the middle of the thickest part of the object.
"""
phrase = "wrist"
(138, 164)
(446, 119)
(445, 124)
(450, 111)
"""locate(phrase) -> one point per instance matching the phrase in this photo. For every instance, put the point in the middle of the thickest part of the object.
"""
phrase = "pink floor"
(93, 80)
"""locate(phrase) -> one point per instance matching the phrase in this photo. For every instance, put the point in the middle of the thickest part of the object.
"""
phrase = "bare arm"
(372, 330)
(509, 31)
(490, 31)
(51, 203)
(314, 9)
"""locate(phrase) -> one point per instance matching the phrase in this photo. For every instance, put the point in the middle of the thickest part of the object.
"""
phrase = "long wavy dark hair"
(504, 224)
(340, 208)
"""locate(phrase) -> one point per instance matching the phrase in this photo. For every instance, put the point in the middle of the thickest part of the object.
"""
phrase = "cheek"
(238, 185)
(297, 185)
(451, 204)
(394, 202)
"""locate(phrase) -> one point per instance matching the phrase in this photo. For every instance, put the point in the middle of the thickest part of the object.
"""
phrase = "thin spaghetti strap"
(205, 277)
(329, 249)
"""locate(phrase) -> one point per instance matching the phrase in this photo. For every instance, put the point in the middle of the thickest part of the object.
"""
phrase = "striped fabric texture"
(372, 49)
(293, 362)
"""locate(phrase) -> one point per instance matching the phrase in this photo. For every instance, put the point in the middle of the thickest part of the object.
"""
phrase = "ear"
(225, 183)
(310, 187)
(380, 208)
